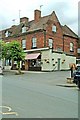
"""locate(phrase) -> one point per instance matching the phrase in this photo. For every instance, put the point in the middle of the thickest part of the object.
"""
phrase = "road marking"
(9, 111)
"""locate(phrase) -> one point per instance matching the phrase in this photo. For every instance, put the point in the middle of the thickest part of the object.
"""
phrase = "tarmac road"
(35, 95)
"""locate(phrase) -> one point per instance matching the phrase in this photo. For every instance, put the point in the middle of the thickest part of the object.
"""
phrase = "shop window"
(34, 42)
(24, 44)
(71, 47)
(7, 62)
(35, 63)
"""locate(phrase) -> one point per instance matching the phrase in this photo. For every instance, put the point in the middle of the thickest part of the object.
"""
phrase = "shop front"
(33, 62)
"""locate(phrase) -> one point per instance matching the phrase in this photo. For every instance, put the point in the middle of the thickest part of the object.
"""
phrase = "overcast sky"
(66, 11)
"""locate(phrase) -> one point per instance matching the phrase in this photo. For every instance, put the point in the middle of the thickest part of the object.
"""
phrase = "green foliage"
(16, 52)
(12, 51)
(3, 49)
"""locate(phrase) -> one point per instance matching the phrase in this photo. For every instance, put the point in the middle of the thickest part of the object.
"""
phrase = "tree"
(16, 53)
(4, 50)
(12, 51)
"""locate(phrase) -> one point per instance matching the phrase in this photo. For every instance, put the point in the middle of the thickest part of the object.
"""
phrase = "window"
(59, 49)
(24, 44)
(50, 43)
(23, 29)
(78, 50)
(53, 28)
(71, 46)
(7, 34)
(34, 40)
(7, 62)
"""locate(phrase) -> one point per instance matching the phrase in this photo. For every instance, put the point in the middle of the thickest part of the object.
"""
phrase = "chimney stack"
(24, 20)
(37, 15)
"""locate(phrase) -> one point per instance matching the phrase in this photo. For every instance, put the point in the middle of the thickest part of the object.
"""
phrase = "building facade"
(47, 44)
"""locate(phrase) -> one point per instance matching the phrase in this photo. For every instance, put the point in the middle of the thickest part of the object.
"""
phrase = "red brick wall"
(67, 41)
(57, 38)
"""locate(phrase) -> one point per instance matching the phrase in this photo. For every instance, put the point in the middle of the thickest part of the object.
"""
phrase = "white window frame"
(59, 49)
(50, 42)
(34, 42)
(7, 34)
(71, 46)
(23, 29)
(23, 43)
(54, 29)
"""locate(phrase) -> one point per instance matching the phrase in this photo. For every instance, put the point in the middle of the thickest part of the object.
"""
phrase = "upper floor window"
(59, 49)
(23, 29)
(50, 42)
(24, 44)
(71, 46)
(78, 50)
(54, 28)
(34, 42)
(7, 34)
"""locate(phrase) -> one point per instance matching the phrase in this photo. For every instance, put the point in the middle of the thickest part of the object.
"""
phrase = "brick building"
(48, 45)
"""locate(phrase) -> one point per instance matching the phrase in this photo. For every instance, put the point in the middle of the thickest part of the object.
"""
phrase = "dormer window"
(23, 29)
(7, 34)
(54, 28)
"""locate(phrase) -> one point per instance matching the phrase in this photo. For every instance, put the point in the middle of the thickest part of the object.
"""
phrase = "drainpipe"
(63, 43)
(44, 38)
(44, 32)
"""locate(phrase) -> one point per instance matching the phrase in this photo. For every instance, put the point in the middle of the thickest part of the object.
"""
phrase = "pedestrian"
(73, 69)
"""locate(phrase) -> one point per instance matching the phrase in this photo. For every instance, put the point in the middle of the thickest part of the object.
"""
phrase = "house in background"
(47, 44)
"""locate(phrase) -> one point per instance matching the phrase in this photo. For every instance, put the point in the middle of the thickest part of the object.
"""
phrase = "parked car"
(77, 76)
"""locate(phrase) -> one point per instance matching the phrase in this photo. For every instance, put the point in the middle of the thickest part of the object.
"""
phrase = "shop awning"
(32, 56)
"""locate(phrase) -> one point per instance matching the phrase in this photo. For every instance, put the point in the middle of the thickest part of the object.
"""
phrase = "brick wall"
(58, 41)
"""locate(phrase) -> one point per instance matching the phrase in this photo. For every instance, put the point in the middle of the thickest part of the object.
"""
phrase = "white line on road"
(9, 112)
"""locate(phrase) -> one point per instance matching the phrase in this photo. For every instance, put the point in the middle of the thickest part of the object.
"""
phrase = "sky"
(11, 10)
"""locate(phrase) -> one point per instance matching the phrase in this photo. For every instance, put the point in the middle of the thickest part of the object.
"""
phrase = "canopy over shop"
(33, 61)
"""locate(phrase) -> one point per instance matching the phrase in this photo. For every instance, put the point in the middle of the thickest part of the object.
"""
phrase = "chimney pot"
(24, 20)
